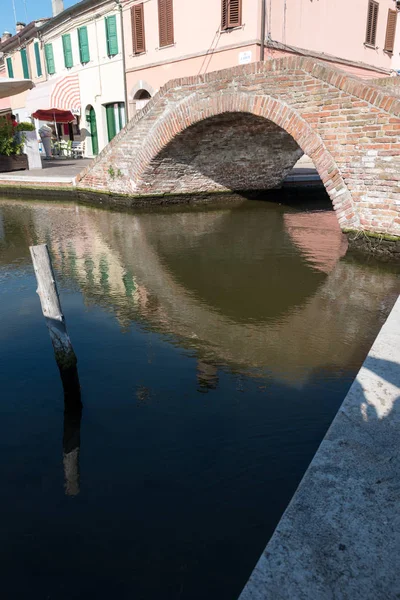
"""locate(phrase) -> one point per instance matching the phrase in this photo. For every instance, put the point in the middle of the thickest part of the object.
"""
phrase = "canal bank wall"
(339, 538)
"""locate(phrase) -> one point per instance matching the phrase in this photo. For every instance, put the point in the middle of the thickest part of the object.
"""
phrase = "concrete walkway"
(339, 539)
(62, 171)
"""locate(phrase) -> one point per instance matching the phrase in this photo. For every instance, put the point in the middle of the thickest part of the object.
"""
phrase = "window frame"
(135, 10)
(25, 64)
(83, 33)
(39, 70)
(227, 24)
(49, 56)
(10, 68)
(67, 51)
(111, 38)
(389, 48)
(372, 27)
(168, 38)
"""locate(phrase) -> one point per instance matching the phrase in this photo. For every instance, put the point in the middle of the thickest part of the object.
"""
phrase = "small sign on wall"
(245, 57)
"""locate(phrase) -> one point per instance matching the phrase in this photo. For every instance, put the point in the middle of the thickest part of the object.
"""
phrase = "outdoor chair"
(60, 149)
(78, 149)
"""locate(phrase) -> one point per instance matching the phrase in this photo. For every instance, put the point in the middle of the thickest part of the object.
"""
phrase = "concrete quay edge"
(32, 179)
(339, 538)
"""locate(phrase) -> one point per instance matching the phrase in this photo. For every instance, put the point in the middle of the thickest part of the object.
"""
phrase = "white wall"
(101, 80)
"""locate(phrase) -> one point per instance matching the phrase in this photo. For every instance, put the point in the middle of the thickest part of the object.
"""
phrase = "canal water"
(215, 346)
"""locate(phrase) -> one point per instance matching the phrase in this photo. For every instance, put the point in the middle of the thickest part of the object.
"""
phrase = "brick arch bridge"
(244, 128)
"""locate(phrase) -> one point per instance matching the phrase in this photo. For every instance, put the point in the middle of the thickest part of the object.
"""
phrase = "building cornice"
(74, 11)
(23, 36)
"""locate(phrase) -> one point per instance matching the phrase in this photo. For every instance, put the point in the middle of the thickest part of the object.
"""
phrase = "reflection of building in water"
(316, 235)
(175, 272)
(207, 376)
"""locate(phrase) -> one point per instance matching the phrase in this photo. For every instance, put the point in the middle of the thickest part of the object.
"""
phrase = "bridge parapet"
(243, 128)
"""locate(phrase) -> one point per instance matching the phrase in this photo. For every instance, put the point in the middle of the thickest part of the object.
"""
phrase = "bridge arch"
(350, 129)
(192, 111)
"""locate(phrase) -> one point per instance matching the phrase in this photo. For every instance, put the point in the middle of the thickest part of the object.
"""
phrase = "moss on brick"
(373, 235)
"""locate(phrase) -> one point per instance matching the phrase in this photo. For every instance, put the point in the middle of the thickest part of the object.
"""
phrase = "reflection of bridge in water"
(173, 272)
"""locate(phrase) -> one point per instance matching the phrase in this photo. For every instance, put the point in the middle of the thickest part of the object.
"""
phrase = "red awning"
(54, 115)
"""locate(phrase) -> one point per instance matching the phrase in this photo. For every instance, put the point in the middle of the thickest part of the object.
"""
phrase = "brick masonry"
(243, 128)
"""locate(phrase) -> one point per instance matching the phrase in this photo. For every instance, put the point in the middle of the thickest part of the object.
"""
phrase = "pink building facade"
(167, 39)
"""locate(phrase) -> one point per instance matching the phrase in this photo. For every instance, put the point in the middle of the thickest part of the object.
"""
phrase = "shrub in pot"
(11, 156)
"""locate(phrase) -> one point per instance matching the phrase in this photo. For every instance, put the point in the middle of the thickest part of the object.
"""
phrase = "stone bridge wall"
(243, 128)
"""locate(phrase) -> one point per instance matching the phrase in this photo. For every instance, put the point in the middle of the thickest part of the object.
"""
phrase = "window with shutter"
(25, 67)
(83, 40)
(48, 52)
(10, 69)
(231, 14)
(372, 22)
(38, 61)
(138, 38)
(67, 47)
(390, 30)
(166, 22)
(111, 35)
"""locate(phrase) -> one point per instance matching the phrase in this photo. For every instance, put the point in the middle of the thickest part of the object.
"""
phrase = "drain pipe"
(262, 48)
(123, 61)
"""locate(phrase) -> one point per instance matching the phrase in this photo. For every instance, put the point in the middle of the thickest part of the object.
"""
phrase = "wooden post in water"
(51, 308)
(66, 361)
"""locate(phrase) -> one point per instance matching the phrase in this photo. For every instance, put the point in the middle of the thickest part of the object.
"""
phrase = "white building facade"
(83, 47)
(83, 73)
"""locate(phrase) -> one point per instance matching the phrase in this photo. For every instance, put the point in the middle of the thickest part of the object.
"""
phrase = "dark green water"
(215, 346)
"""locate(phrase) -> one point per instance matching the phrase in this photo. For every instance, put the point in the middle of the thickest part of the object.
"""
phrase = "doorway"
(91, 120)
(115, 115)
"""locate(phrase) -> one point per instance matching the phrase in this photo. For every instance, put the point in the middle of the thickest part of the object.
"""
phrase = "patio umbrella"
(54, 114)
(11, 87)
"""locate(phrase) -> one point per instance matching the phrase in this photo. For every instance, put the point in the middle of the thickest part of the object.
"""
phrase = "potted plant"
(11, 145)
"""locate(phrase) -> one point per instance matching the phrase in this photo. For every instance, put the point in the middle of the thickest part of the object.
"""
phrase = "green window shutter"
(83, 45)
(111, 125)
(48, 51)
(10, 69)
(25, 67)
(37, 57)
(67, 47)
(111, 35)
